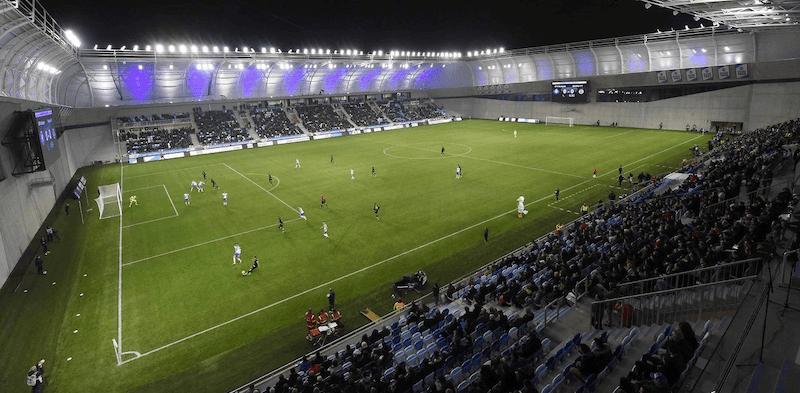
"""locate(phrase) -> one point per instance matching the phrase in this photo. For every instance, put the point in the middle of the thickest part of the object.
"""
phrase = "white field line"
(488, 160)
(174, 170)
(204, 243)
(612, 136)
(119, 288)
(262, 188)
(328, 284)
(124, 191)
(267, 174)
(157, 219)
(170, 200)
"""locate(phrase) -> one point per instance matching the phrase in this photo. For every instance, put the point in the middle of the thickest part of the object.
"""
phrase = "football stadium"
(606, 215)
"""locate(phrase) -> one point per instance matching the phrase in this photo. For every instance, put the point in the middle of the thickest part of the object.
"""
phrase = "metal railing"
(749, 196)
(690, 303)
(711, 274)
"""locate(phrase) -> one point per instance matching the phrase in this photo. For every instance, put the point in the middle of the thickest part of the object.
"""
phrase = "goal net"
(110, 201)
(564, 121)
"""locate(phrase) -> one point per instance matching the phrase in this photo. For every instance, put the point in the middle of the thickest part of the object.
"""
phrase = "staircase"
(377, 109)
(339, 110)
(291, 113)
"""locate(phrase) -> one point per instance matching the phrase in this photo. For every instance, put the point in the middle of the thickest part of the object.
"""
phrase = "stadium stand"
(399, 112)
(218, 127)
(156, 140)
(493, 343)
(363, 115)
(272, 122)
(153, 118)
(319, 118)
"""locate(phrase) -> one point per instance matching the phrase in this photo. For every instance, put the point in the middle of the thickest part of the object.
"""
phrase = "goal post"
(110, 201)
(563, 121)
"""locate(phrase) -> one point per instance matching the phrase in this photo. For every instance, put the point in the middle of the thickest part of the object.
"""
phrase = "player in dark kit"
(270, 178)
(373, 170)
(558, 191)
(214, 185)
(442, 150)
(204, 175)
(323, 202)
(280, 225)
(255, 265)
(375, 207)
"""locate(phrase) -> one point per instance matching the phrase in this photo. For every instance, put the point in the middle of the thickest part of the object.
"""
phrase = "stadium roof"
(742, 14)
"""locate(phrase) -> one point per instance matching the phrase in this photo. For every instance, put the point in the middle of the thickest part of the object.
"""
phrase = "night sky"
(364, 25)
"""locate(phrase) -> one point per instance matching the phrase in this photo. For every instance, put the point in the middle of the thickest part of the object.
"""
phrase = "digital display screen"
(570, 92)
(47, 135)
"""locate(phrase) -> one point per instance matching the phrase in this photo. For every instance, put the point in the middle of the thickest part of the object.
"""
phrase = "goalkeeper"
(133, 201)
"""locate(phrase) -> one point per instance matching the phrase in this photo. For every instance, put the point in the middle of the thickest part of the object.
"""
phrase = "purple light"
(136, 81)
(197, 81)
(250, 78)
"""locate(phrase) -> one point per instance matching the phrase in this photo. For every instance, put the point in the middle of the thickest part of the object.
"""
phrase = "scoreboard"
(43, 118)
(570, 92)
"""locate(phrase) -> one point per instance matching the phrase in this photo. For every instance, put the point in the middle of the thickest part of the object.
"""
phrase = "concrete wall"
(25, 200)
(754, 105)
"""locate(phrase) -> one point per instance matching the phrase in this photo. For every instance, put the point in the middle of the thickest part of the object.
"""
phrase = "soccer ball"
(244, 273)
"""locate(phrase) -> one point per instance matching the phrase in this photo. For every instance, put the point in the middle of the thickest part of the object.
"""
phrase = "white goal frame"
(110, 198)
(567, 121)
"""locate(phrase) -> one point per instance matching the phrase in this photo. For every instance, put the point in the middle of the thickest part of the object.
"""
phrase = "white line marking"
(157, 219)
(262, 188)
(548, 196)
(478, 158)
(612, 136)
(170, 200)
(174, 170)
(267, 174)
(119, 289)
(204, 243)
(138, 189)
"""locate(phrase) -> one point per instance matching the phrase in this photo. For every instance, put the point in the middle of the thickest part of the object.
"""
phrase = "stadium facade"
(696, 76)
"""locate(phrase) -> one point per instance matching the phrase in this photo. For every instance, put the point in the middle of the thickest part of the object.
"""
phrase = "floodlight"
(327, 51)
(140, 66)
(726, 48)
(502, 50)
(199, 67)
(225, 49)
(215, 49)
(675, 13)
(669, 53)
(123, 47)
(136, 47)
(330, 66)
(313, 51)
(182, 48)
(171, 48)
(658, 30)
(236, 50)
(105, 67)
(95, 46)
(252, 50)
(108, 47)
(349, 52)
(171, 66)
(703, 50)
(361, 52)
(647, 6)
(40, 66)
(319, 51)
(380, 53)
(263, 50)
(72, 38)
(686, 27)
(701, 26)
(205, 49)
(194, 48)
(159, 48)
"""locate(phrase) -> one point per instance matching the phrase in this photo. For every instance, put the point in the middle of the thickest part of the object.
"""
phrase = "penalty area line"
(262, 188)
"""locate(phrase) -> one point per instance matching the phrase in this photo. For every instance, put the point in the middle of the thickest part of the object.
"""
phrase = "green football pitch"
(160, 279)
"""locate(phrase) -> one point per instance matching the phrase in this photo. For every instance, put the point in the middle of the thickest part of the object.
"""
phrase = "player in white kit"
(237, 253)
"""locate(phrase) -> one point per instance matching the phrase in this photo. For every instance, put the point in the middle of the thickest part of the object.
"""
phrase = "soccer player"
(331, 158)
(194, 186)
(375, 207)
(515, 133)
(204, 175)
(458, 171)
(323, 202)
(186, 199)
(280, 225)
(325, 229)
(442, 150)
(594, 174)
(255, 265)
(224, 199)
(521, 206)
(373, 170)
(133, 201)
(297, 163)
(558, 191)
(485, 238)
(620, 170)
(200, 186)
(237, 253)
(214, 184)
(352, 176)
(302, 213)
(270, 178)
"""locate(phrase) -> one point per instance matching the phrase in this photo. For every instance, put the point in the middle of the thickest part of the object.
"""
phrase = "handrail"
(728, 201)
(681, 279)
(633, 310)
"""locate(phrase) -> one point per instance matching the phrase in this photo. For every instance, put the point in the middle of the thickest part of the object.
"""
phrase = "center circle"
(427, 151)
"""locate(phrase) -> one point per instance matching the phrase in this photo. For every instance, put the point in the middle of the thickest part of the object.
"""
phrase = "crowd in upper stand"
(156, 140)
(363, 115)
(218, 127)
(397, 111)
(272, 122)
(698, 224)
(317, 118)
(155, 117)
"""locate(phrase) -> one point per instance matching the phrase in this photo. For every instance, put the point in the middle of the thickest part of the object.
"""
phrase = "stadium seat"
(462, 387)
